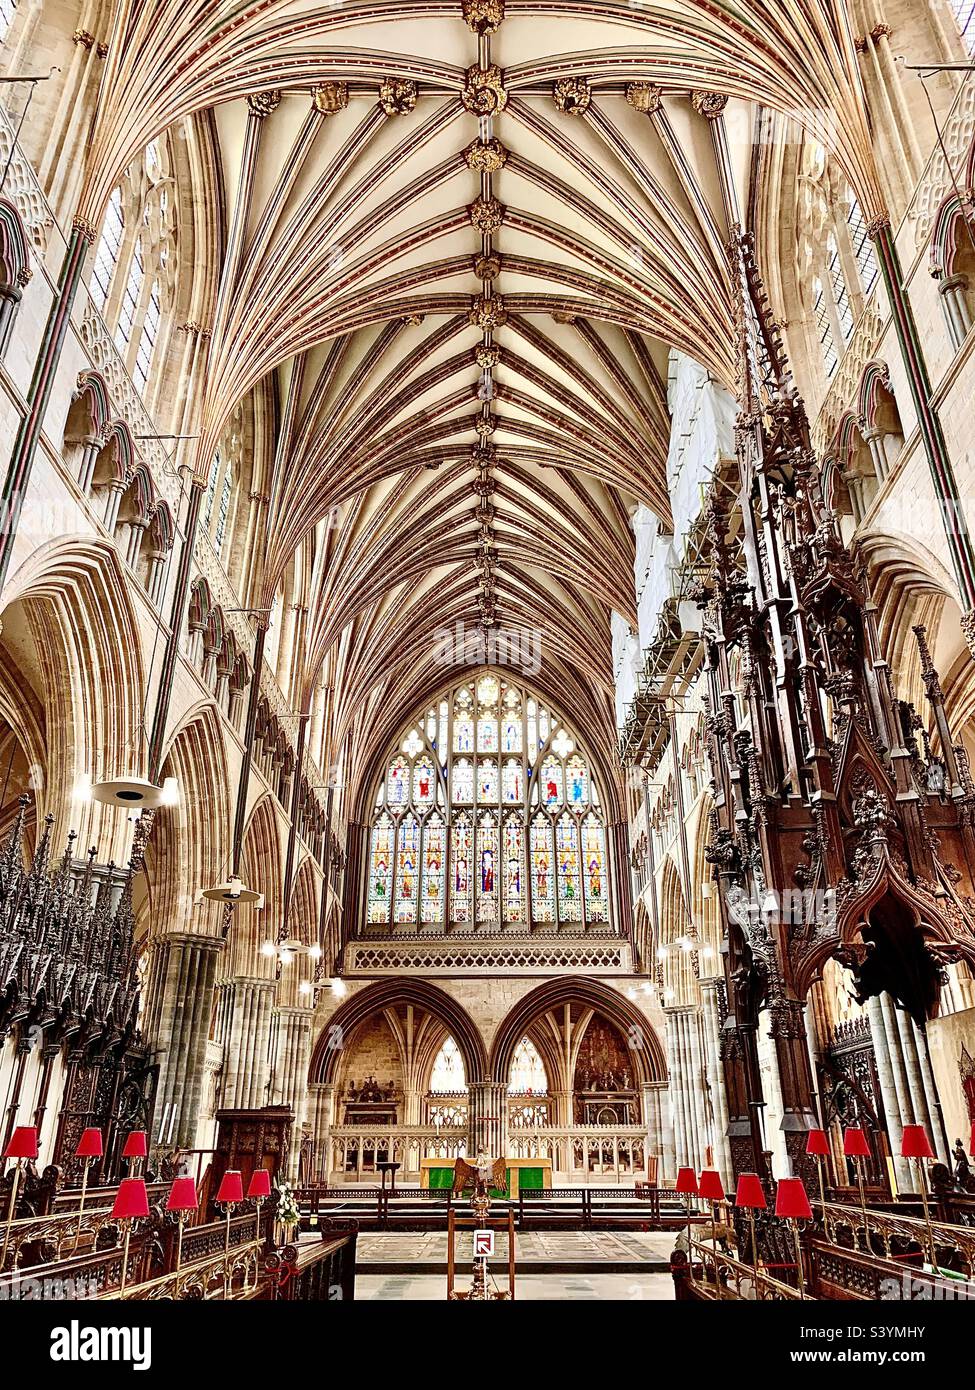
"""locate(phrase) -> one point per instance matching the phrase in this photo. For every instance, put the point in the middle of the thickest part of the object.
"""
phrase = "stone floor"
(561, 1288)
(551, 1265)
(632, 1249)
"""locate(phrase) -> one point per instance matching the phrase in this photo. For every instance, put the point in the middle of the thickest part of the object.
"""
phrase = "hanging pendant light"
(233, 893)
(135, 793)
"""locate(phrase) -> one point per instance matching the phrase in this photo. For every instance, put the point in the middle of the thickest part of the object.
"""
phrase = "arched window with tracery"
(527, 1075)
(132, 276)
(487, 814)
(107, 251)
(964, 12)
(447, 1077)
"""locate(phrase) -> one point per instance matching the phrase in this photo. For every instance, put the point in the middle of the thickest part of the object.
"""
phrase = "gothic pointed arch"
(634, 1025)
(386, 993)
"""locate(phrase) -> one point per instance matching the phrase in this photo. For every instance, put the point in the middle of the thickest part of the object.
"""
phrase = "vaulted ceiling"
(463, 238)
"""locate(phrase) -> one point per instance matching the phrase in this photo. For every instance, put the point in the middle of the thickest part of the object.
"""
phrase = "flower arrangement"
(287, 1209)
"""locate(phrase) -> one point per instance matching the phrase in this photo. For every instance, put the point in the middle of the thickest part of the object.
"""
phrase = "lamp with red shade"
(856, 1146)
(817, 1146)
(136, 1147)
(792, 1205)
(971, 1142)
(751, 1196)
(686, 1185)
(711, 1188)
(230, 1194)
(131, 1205)
(259, 1189)
(89, 1146)
(182, 1200)
(915, 1144)
(22, 1148)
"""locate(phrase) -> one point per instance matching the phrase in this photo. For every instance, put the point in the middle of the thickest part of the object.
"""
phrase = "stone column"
(711, 1024)
(179, 1002)
(691, 1087)
(939, 1139)
(675, 1089)
(113, 500)
(953, 291)
(660, 1130)
(322, 1100)
(291, 1070)
(487, 1118)
(888, 1090)
(246, 1015)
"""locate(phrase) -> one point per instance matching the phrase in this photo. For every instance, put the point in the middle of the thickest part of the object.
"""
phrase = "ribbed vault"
(460, 239)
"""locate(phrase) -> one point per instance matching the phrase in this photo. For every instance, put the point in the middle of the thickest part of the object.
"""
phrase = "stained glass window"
(424, 782)
(543, 870)
(513, 868)
(532, 730)
(463, 782)
(594, 869)
(487, 735)
(487, 783)
(434, 856)
(398, 782)
(449, 842)
(551, 787)
(567, 860)
(407, 869)
(381, 869)
(487, 869)
(576, 782)
(462, 869)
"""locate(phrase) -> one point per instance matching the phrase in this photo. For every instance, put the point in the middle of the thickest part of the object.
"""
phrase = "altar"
(524, 1174)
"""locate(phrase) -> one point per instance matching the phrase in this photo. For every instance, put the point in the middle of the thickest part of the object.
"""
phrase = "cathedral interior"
(487, 650)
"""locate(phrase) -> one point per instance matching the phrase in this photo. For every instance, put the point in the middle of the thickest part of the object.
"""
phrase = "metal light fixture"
(135, 793)
(233, 893)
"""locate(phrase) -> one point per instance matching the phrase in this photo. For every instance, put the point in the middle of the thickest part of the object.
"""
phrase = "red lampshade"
(750, 1191)
(710, 1186)
(915, 1142)
(90, 1144)
(791, 1200)
(182, 1196)
(817, 1144)
(686, 1182)
(135, 1145)
(23, 1143)
(260, 1184)
(971, 1143)
(855, 1143)
(231, 1187)
(132, 1199)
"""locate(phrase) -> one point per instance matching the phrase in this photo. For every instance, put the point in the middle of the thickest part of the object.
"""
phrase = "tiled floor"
(546, 1247)
(635, 1264)
(559, 1288)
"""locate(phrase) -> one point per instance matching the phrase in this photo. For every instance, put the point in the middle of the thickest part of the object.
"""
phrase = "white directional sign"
(483, 1244)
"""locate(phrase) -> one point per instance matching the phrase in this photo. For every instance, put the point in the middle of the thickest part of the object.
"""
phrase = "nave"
(487, 653)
